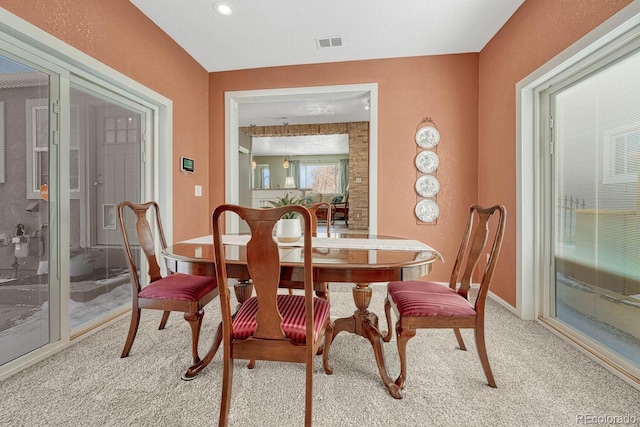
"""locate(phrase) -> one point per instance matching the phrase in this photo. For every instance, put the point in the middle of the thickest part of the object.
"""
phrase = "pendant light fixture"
(285, 164)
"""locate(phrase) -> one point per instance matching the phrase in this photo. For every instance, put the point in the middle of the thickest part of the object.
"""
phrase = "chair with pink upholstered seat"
(270, 325)
(176, 292)
(421, 305)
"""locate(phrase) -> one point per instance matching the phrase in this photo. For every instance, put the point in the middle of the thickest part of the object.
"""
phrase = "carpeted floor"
(542, 381)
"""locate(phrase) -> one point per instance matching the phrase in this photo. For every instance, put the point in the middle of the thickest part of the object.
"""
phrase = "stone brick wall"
(358, 175)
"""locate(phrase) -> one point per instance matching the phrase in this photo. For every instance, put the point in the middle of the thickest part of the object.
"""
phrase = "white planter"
(288, 230)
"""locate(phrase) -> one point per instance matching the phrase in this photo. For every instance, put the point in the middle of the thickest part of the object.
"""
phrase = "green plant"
(287, 200)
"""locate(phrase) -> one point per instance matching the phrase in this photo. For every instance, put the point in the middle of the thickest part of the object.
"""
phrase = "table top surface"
(341, 250)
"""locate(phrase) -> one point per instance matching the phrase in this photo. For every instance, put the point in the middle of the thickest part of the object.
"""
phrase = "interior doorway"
(233, 102)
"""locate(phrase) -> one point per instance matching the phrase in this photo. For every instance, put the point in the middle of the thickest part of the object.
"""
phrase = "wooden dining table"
(357, 259)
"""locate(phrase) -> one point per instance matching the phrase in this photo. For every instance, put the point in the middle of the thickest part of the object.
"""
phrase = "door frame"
(234, 98)
(532, 257)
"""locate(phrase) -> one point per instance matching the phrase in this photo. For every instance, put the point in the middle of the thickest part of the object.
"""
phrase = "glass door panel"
(106, 140)
(597, 201)
(24, 217)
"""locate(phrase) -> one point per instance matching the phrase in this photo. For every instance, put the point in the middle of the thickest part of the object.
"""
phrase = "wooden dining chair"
(342, 208)
(422, 305)
(313, 209)
(175, 292)
(322, 289)
(269, 325)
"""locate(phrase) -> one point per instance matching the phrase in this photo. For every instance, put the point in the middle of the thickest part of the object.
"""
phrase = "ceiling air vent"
(329, 42)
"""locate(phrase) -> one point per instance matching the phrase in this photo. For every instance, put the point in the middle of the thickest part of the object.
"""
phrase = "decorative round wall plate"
(427, 161)
(427, 186)
(427, 137)
(427, 210)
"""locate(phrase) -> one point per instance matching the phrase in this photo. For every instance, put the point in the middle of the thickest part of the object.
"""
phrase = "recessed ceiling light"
(223, 8)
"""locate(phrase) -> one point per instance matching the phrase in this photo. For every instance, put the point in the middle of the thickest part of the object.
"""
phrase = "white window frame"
(610, 156)
(264, 175)
(335, 164)
(32, 107)
(31, 142)
(2, 144)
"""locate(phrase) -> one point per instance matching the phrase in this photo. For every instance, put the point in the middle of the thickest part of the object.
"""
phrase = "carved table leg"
(365, 323)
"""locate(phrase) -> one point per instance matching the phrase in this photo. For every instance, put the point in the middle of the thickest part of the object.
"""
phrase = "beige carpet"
(542, 381)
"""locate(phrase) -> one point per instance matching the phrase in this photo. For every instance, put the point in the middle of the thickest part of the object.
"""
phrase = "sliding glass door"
(105, 155)
(594, 172)
(76, 138)
(70, 151)
(25, 129)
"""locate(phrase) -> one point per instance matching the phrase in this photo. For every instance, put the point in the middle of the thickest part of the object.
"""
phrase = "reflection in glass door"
(24, 218)
(596, 128)
(106, 139)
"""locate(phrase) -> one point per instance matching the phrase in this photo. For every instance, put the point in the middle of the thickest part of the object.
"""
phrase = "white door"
(117, 168)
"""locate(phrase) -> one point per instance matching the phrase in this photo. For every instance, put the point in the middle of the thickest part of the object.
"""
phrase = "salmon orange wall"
(444, 88)
(538, 31)
(116, 33)
(471, 98)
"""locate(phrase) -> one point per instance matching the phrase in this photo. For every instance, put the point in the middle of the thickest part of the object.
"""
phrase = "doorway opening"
(234, 102)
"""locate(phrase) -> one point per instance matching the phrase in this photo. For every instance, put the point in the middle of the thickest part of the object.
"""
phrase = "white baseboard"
(503, 303)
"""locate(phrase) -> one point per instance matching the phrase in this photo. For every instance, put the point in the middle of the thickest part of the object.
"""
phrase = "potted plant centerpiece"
(288, 228)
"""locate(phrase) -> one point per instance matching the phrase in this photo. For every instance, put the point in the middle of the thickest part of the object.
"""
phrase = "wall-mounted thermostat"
(186, 164)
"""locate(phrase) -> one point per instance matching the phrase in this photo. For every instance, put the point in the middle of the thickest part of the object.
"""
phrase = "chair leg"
(387, 313)
(327, 346)
(403, 336)
(225, 401)
(308, 399)
(482, 352)
(195, 321)
(133, 329)
(195, 369)
(163, 321)
(324, 294)
(459, 338)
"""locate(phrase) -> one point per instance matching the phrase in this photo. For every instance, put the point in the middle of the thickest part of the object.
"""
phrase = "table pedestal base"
(365, 323)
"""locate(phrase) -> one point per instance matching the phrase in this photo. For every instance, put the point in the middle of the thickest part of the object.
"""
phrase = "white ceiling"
(333, 107)
(314, 145)
(270, 33)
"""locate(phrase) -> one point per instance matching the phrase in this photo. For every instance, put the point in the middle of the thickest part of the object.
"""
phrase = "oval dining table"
(358, 259)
